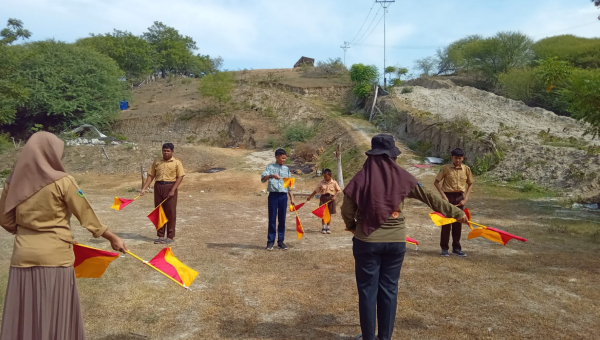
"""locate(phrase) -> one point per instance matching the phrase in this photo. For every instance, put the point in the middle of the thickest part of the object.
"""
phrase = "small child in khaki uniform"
(457, 184)
(329, 189)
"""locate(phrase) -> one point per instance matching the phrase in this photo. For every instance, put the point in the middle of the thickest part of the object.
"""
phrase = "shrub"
(305, 151)
(486, 162)
(273, 142)
(407, 89)
(5, 142)
(299, 133)
(330, 68)
(520, 84)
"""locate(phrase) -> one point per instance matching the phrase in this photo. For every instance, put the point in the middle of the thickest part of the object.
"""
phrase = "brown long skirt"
(42, 303)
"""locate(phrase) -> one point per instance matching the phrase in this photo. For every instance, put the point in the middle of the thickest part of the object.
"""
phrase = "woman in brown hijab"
(37, 203)
(372, 210)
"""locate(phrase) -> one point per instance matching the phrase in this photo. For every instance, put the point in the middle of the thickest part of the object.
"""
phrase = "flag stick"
(162, 202)
(158, 270)
(298, 217)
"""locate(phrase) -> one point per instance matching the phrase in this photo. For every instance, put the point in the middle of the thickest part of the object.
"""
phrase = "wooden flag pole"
(158, 270)
(162, 202)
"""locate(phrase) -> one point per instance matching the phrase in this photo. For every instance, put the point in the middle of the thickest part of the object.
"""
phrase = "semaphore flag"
(168, 264)
(288, 182)
(121, 203)
(158, 217)
(323, 212)
(297, 207)
(91, 262)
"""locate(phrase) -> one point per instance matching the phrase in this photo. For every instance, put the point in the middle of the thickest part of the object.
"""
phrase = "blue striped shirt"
(276, 185)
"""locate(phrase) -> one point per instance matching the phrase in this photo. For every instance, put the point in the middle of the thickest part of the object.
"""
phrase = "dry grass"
(292, 77)
(545, 288)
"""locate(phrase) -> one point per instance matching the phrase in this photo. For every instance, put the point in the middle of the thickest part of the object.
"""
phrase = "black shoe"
(458, 253)
(281, 245)
(444, 253)
(269, 246)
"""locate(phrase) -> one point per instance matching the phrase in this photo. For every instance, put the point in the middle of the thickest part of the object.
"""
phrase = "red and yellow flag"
(493, 234)
(323, 212)
(299, 228)
(468, 213)
(440, 220)
(158, 217)
(91, 262)
(297, 207)
(410, 240)
(168, 264)
(121, 203)
(288, 182)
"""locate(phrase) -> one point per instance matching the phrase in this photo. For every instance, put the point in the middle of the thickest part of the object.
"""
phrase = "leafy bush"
(299, 133)
(407, 89)
(420, 148)
(363, 77)
(72, 85)
(579, 52)
(583, 96)
(5, 142)
(218, 86)
(520, 84)
(487, 162)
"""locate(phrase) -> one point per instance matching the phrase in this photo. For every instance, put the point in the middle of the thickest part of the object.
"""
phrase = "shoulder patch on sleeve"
(420, 184)
(442, 169)
(80, 193)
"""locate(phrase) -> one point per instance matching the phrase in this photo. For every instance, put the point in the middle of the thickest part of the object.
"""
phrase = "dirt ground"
(545, 288)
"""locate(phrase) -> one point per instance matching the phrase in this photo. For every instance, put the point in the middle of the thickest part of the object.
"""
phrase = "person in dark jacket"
(372, 210)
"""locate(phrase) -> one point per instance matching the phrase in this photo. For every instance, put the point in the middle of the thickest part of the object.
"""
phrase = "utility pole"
(345, 47)
(385, 4)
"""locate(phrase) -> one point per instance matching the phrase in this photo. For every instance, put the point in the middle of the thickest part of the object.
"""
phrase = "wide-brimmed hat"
(383, 145)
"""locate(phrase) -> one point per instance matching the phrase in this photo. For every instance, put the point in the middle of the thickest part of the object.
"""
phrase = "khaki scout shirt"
(166, 171)
(332, 188)
(42, 226)
(394, 229)
(455, 179)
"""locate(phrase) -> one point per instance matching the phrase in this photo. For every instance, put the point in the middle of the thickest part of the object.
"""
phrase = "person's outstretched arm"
(437, 203)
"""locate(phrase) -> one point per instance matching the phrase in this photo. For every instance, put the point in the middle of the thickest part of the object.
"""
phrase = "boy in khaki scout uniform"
(168, 173)
(456, 189)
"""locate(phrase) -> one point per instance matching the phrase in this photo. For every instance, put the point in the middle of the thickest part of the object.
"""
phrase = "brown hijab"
(378, 189)
(38, 165)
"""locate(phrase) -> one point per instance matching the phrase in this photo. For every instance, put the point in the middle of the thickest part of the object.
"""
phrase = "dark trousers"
(377, 267)
(455, 228)
(161, 191)
(277, 209)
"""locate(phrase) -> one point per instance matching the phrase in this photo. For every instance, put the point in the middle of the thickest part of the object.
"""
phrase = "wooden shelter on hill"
(305, 61)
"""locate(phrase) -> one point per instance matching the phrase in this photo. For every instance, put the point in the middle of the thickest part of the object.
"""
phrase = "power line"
(568, 28)
(358, 44)
(385, 4)
(375, 17)
(363, 24)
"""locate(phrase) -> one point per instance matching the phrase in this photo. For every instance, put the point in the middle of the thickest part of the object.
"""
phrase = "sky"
(259, 34)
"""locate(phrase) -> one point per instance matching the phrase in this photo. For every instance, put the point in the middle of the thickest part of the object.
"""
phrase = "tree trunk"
(163, 73)
(338, 157)
(374, 102)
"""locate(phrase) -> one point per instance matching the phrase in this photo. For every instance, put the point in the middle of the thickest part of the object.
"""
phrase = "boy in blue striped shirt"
(278, 198)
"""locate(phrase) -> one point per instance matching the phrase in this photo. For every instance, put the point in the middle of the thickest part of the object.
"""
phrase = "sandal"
(159, 241)
(169, 241)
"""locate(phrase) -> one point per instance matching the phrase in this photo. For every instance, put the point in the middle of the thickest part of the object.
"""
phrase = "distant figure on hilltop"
(168, 173)
(278, 198)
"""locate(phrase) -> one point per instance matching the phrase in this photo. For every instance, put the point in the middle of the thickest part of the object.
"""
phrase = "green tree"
(13, 92)
(203, 65)
(218, 86)
(579, 52)
(68, 85)
(363, 77)
(401, 72)
(14, 31)
(583, 96)
(389, 70)
(174, 51)
(133, 54)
